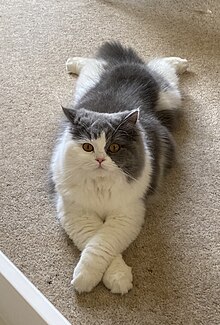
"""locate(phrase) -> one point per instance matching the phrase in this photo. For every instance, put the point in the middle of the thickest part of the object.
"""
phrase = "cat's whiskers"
(155, 191)
(128, 175)
(64, 180)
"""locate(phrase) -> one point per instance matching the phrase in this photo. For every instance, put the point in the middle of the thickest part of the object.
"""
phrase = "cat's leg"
(75, 64)
(118, 276)
(114, 236)
(81, 228)
(180, 65)
(165, 71)
(89, 71)
(169, 68)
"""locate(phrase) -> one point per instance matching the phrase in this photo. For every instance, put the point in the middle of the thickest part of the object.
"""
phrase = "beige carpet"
(176, 258)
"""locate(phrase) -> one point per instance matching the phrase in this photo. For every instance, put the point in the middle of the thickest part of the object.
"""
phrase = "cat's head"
(104, 143)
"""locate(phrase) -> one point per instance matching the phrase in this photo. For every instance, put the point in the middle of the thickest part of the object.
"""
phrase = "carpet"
(175, 259)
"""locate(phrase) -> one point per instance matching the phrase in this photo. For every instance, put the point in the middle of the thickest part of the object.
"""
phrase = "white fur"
(169, 100)
(168, 68)
(89, 71)
(101, 212)
(118, 277)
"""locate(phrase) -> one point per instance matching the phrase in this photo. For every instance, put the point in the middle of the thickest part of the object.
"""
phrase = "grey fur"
(127, 85)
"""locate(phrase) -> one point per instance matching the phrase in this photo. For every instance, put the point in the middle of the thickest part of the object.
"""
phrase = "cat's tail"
(114, 52)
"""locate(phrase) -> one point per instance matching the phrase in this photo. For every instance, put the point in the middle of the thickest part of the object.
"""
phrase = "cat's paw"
(180, 65)
(118, 280)
(85, 278)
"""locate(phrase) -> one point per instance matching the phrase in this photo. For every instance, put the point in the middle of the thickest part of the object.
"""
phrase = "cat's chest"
(101, 196)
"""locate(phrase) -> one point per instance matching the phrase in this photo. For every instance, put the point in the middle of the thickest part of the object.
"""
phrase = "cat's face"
(104, 143)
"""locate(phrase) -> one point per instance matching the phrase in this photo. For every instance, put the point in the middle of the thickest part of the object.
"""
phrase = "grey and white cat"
(114, 150)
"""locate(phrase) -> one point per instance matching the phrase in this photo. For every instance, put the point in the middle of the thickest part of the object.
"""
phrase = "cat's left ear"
(70, 114)
(132, 117)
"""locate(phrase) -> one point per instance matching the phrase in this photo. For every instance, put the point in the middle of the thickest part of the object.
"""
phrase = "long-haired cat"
(114, 150)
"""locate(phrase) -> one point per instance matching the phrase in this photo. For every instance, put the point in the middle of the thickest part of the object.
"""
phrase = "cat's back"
(124, 84)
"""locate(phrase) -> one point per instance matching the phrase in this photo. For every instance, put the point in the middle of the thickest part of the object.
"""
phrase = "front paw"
(118, 280)
(85, 278)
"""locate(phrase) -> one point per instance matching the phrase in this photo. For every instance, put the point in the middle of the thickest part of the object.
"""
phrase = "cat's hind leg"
(89, 71)
(180, 65)
(168, 68)
(165, 71)
(75, 64)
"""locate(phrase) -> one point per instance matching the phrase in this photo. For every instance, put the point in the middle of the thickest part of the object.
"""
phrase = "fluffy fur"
(119, 100)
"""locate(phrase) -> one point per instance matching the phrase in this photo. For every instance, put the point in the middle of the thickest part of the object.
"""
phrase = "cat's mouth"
(100, 168)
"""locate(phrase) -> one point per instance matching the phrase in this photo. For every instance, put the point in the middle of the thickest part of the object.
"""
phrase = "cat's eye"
(87, 147)
(114, 147)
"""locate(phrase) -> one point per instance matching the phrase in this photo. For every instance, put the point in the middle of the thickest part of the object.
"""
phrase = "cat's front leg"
(110, 240)
(118, 276)
(80, 226)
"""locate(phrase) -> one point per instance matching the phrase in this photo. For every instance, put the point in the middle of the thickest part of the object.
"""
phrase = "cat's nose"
(100, 160)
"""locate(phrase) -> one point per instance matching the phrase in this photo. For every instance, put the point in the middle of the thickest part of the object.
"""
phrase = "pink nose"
(100, 160)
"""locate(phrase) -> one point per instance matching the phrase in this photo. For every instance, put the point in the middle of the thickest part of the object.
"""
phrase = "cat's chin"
(101, 170)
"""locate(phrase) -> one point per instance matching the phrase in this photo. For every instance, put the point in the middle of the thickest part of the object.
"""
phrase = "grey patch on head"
(120, 128)
(79, 127)
(131, 156)
(86, 124)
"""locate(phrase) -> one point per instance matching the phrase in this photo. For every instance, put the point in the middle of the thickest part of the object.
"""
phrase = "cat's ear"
(131, 118)
(70, 114)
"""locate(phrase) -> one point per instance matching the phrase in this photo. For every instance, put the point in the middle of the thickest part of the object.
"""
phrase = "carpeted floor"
(176, 258)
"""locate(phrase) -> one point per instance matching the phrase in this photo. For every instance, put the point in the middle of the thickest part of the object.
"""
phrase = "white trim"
(21, 303)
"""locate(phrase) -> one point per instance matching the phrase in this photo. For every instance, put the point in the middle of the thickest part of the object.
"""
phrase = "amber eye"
(114, 147)
(87, 147)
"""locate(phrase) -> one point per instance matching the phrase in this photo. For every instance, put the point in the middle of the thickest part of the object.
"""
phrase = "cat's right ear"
(70, 114)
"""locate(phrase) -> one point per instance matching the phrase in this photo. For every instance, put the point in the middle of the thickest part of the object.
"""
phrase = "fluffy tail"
(114, 52)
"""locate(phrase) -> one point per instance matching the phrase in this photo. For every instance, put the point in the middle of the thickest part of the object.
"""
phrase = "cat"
(113, 152)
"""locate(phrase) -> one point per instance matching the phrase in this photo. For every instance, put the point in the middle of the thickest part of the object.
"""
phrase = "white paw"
(179, 64)
(118, 281)
(85, 278)
(74, 65)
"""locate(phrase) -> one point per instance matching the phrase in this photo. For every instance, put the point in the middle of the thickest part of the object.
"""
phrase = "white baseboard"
(21, 303)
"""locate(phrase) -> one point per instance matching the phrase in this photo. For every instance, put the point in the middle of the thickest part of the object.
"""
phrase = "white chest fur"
(102, 195)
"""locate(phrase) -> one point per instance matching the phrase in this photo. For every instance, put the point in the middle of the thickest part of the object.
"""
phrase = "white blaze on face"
(99, 146)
